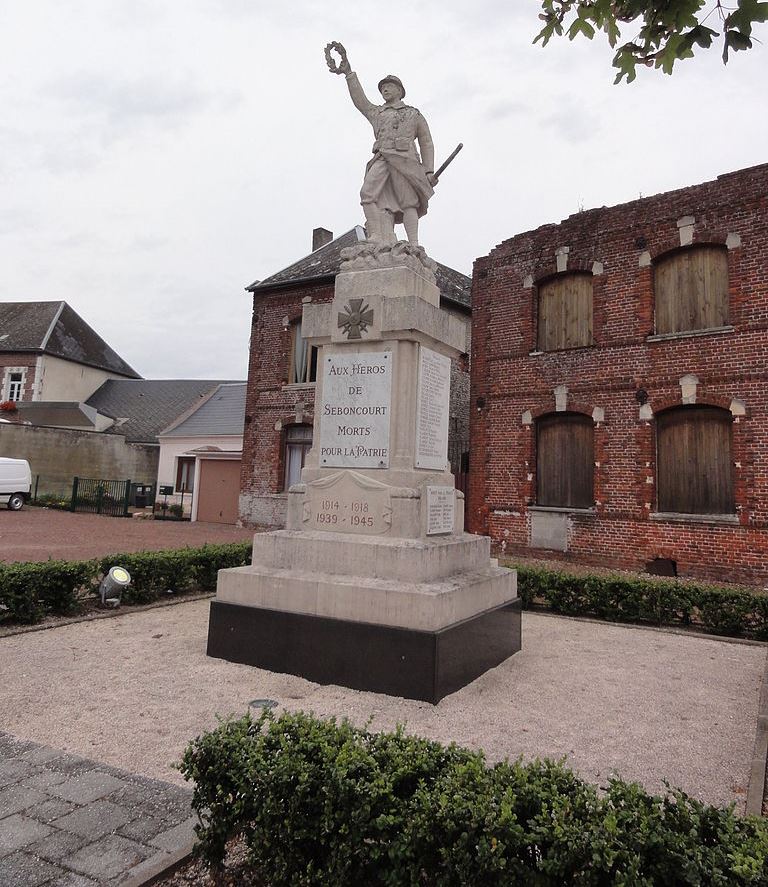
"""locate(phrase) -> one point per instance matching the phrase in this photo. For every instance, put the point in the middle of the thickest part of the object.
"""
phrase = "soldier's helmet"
(390, 78)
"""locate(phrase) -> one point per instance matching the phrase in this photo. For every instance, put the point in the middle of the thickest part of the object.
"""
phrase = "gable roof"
(324, 263)
(220, 414)
(54, 328)
(148, 405)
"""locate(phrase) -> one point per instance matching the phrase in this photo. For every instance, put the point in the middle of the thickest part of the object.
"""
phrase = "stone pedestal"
(374, 584)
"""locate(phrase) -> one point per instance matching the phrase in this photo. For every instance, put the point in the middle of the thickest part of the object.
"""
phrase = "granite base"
(415, 664)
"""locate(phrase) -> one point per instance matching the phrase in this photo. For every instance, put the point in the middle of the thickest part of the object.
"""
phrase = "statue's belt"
(392, 145)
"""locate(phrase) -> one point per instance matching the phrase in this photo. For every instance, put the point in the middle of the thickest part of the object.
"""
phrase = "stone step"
(428, 606)
(377, 557)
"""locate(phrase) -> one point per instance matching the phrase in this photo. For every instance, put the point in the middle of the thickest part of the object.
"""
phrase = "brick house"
(619, 409)
(281, 376)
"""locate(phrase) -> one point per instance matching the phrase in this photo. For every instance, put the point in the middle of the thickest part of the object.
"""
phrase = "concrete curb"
(164, 863)
(757, 772)
(126, 610)
(642, 626)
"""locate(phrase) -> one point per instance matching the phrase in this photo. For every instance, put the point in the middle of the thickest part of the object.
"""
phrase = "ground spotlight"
(112, 585)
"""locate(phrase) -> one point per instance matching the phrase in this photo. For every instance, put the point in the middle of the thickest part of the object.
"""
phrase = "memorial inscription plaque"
(441, 510)
(434, 394)
(347, 502)
(356, 409)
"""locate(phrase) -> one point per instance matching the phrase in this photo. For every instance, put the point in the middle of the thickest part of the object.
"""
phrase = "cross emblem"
(357, 319)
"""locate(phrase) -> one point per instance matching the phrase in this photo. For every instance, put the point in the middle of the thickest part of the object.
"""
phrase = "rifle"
(448, 161)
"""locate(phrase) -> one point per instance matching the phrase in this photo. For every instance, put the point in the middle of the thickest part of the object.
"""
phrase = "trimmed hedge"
(323, 803)
(733, 612)
(31, 591)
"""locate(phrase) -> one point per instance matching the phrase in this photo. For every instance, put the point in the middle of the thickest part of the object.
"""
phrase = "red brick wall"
(270, 403)
(19, 360)
(509, 379)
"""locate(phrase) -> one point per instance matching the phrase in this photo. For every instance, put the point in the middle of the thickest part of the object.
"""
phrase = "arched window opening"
(565, 312)
(695, 462)
(691, 290)
(565, 460)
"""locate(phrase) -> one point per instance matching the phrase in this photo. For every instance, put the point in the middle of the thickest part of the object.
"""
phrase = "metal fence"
(98, 496)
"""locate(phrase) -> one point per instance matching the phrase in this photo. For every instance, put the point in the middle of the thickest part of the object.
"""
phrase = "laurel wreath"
(333, 65)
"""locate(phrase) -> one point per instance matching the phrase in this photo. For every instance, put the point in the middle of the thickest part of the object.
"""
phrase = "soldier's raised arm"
(359, 98)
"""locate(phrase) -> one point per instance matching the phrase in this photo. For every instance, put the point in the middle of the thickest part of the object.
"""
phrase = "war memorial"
(374, 584)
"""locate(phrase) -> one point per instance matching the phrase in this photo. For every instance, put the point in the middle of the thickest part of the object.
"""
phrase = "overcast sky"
(157, 156)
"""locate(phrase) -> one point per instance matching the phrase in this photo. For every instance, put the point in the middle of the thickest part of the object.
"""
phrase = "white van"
(15, 482)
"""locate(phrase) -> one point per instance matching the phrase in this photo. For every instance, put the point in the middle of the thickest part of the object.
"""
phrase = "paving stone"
(57, 845)
(72, 879)
(15, 769)
(44, 780)
(158, 800)
(143, 829)
(11, 747)
(17, 831)
(40, 754)
(18, 797)
(24, 870)
(50, 809)
(71, 765)
(177, 836)
(95, 820)
(86, 787)
(111, 856)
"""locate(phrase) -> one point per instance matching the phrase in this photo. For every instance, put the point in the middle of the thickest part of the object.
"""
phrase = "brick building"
(619, 408)
(281, 376)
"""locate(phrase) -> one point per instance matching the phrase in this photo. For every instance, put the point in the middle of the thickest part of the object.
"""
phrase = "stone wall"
(59, 454)
(623, 380)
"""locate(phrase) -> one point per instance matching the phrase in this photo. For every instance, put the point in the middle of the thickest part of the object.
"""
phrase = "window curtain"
(299, 354)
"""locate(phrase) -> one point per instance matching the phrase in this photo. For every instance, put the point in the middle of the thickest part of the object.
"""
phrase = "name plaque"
(433, 404)
(347, 502)
(355, 412)
(441, 510)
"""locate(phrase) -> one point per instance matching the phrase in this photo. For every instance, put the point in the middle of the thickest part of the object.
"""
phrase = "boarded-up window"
(565, 312)
(565, 460)
(695, 474)
(691, 289)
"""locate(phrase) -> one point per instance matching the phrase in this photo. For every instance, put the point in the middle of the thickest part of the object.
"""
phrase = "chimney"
(321, 236)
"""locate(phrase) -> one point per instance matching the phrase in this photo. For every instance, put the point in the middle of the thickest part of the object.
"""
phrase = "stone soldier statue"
(398, 182)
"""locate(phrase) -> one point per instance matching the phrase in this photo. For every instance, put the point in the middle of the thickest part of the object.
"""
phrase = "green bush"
(154, 573)
(323, 803)
(723, 611)
(31, 591)
(53, 500)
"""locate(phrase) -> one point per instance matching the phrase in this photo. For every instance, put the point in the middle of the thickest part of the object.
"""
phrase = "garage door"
(218, 491)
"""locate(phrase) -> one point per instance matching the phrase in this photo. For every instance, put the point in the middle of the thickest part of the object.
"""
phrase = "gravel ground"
(37, 534)
(132, 690)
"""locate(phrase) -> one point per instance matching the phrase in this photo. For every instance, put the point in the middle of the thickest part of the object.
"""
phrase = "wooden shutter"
(565, 312)
(565, 460)
(691, 289)
(695, 474)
